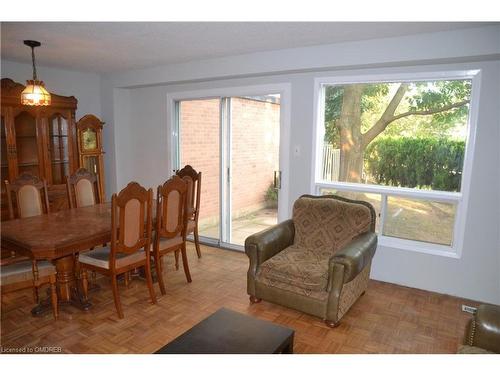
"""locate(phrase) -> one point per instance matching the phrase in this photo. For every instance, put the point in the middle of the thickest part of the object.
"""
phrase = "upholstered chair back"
(328, 223)
(171, 215)
(84, 193)
(29, 201)
(82, 189)
(30, 196)
(193, 179)
(131, 219)
(190, 194)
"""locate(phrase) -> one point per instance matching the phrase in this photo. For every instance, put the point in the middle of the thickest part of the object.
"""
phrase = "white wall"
(138, 138)
(423, 48)
(83, 86)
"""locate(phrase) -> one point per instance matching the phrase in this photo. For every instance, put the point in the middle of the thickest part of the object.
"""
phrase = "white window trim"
(461, 199)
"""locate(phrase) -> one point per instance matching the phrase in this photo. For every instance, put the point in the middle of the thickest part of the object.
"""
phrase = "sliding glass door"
(235, 143)
(199, 146)
(254, 163)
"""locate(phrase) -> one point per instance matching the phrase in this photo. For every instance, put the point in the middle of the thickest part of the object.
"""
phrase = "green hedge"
(416, 162)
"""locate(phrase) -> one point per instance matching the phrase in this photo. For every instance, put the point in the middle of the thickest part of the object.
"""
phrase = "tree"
(445, 101)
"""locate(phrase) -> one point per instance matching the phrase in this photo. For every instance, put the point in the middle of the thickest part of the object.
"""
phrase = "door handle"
(277, 180)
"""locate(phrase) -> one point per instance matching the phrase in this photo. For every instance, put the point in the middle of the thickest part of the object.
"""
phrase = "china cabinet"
(43, 141)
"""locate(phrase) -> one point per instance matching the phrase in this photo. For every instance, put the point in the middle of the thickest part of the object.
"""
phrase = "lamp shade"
(35, 94)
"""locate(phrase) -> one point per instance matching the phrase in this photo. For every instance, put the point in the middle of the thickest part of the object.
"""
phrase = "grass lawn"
(412, 219)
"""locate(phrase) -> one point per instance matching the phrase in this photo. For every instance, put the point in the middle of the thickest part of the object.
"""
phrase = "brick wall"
(199, 139)
(254, 151)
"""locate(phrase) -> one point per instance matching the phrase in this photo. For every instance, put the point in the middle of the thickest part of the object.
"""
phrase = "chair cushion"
(328, 223)
(304, 270)
(100, 258)
(22, 271)
(166, 243)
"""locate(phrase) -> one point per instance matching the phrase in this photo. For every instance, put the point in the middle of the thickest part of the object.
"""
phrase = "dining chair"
(131, 227)
(18, 271)
(30, 194)
(19, 274)
(193, 199)
(171, 224)
(82, 188)
(30, 197)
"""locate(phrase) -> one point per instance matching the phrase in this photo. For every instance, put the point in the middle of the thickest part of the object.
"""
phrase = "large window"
(403, 145)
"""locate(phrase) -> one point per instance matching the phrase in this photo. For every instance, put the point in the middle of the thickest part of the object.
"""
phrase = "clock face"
(89, 138)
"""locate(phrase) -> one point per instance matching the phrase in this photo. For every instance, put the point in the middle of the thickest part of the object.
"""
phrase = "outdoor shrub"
(271, 196)
(416, 162)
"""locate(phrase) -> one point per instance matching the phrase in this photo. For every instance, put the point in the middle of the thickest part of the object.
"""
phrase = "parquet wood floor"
(387, 319)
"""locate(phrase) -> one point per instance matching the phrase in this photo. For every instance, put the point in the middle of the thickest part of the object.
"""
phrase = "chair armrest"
(355, 255)
(484, 328)
(265, 244)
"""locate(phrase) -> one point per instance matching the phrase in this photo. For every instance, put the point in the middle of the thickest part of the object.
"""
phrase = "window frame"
(460, 199)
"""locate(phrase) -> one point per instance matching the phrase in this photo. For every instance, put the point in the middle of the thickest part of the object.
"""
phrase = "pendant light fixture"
(35, 92)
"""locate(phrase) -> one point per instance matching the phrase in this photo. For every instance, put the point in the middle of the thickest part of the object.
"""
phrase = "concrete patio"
(244, 226)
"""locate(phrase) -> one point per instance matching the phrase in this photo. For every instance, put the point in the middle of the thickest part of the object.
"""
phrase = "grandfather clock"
(91, 154)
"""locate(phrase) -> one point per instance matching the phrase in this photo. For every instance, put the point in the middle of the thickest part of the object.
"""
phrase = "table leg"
(67, 289)
(289, 348)
(65, 278)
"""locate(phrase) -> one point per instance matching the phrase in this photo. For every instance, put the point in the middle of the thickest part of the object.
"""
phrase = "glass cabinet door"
(58, 144)
(26, 144)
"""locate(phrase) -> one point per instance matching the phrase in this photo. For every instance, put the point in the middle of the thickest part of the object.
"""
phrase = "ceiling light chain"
(33, 62)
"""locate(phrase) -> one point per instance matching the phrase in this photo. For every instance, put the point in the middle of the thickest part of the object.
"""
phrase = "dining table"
(59, 237)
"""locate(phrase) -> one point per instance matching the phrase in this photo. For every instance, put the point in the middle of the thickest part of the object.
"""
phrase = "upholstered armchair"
(319, 261)
(482, 334)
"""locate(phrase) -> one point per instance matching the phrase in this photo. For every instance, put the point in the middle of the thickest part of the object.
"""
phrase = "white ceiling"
(115, 46)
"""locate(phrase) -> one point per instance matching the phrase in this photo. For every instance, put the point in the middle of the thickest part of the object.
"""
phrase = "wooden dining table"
(59, 237)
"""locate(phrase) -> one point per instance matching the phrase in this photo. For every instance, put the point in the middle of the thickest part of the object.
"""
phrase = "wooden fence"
(331, 163)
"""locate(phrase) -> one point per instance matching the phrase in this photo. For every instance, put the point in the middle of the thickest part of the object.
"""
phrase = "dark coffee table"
(229, 332)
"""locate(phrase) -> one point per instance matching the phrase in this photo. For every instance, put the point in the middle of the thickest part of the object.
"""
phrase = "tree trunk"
(353, 143)
(351, 152)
